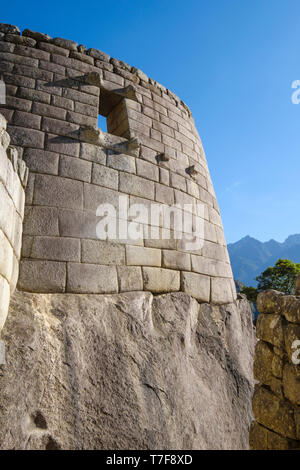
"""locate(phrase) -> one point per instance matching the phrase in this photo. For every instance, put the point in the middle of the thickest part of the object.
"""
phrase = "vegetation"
(280, 277)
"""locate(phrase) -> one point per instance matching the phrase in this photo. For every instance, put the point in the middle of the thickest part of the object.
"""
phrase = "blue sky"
(233, 62)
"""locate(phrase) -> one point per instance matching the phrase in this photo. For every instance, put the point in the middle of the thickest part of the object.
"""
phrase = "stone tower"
(125, 331)
(151, 155)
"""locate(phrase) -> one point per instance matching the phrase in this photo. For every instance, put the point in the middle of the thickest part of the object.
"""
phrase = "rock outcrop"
(121, 371)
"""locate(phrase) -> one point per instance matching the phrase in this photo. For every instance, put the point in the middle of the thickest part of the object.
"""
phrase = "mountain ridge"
(250, 257)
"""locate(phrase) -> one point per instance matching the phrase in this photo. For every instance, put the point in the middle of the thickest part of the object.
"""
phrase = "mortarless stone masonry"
(175, 372)
(13, 177)
(276, 401)
(152, 154)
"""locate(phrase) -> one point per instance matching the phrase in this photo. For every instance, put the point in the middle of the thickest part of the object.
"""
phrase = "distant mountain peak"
(250, 257)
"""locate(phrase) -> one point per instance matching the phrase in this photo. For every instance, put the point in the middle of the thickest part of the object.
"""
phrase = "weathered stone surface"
(140, 256)
(274, 413)
(128, 371)
(263, 362)
(221, 292)
(262, 438)
(98, 54)
(102, 252)
(161, 280)
(269, 328)
(35, 35)
(42, 276)
(291, 383)
(289, 305)
(267, 301)
(196, 285)
(4, 300)
(130, 278)
(9, 28)
(91, 278)
(65, 43)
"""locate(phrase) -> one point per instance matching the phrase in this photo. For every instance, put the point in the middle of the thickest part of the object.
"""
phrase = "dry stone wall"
(276, 401)
(151, 154)
(13, 176)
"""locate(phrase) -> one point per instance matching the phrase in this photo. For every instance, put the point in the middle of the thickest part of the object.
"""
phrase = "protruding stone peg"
(192, 171)
(163, 157)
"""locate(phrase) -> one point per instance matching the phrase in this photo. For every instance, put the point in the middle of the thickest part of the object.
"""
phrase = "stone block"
(17, 234)
(104, 176)
(78, 224)
(98, 54)
(274, 413)
(6, 213)
(164, 194)
(4, 300)
(164, 176)
(263, 362)
(210, 267)
(93, 153)
(140, 256)
(176, 260)
(160, 280)
(65, 43)
(49, 110)
(177, 181)
(75, 168)
(64, 104)
(267, 301)
(196, 285)
(291, 333)
(3, 166)
(130, 278)
(34, 95)
(137, 186)
(91, 279)
(102, 252)
(41, 220)
(269, 328)
(62, 145)
(58, 192)
(53, 49)
(221, 292)
(96, 195)
(261, 438)
(6, 257)
(59, 127)
(289, 307)
(42, 276)
(121, 162)
(215, 251)
(29, 120)
(291, 383)
(81, 119)
(56, 249)
(26, 137)
(147, 170)
(41, 161)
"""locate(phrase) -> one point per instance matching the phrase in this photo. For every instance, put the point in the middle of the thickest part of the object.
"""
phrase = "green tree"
(250, 292)
(280, 277)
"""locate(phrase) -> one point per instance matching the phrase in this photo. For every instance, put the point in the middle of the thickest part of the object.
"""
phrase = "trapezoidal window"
(113, 116)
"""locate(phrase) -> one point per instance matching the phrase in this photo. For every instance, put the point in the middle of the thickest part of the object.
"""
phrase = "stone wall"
(276, 401)
(152, 154)
(13, 175)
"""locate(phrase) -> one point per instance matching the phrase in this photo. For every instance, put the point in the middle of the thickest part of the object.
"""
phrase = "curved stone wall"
(151, 155)
(13, 176)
